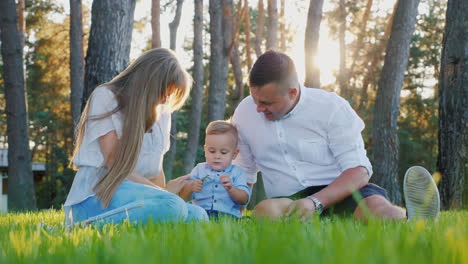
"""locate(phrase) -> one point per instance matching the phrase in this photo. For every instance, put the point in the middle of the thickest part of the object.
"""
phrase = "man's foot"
(421, 194)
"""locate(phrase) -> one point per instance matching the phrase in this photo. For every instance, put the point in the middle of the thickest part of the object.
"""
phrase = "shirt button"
(285, 151)
(216, 186)
(214, 201)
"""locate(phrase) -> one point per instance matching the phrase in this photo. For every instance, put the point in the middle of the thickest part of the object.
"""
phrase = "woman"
(122, 137)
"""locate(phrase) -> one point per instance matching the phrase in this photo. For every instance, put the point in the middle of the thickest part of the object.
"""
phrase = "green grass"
(41, 238)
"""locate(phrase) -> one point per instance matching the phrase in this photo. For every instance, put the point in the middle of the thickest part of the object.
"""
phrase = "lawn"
(41, 238)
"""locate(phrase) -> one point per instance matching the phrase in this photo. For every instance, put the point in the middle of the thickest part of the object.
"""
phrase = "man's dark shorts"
(348, 205)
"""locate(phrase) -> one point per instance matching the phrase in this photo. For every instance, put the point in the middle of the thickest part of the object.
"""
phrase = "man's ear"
(293, 92)
(235, 154)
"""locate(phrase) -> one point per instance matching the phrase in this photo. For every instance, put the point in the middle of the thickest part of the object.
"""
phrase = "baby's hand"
(195, 186)
(226, 182)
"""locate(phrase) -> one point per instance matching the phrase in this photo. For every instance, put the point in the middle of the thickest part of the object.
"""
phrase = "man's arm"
(349, 181)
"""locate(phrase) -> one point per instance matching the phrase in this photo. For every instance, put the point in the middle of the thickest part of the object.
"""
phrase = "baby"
(216, 185)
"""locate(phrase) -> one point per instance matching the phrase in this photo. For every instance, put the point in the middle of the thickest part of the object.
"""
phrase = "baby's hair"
(220, 127)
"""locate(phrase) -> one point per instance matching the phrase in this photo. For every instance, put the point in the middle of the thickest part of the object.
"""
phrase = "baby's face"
(220, 150)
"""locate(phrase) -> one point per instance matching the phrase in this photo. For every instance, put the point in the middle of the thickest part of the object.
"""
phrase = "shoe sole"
(421, 194)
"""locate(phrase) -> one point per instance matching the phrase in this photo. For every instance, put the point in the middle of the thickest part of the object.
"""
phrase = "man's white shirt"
(310, 146)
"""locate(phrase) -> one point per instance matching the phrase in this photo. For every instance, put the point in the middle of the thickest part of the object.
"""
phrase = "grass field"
(41, 238)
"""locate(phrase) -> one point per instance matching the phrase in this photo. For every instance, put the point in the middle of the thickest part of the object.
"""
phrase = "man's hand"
(303, 208)
(195, 186)
(226, 182)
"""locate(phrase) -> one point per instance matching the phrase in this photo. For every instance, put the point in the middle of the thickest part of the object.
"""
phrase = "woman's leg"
(135, 202)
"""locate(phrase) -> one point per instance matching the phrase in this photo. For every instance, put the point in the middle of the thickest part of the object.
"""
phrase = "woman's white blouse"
(155, 144)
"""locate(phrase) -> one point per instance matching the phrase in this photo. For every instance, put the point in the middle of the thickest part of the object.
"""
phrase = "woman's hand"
(195, 186)
(175, 185)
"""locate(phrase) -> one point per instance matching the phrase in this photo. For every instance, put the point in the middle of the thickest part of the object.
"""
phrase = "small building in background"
(38, 169)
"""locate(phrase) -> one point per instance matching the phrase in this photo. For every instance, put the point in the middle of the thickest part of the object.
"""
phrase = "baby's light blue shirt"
(213, 195)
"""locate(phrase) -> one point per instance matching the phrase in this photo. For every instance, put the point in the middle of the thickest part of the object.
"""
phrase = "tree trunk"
(170, 156)
(360, 37)
(76, 60)
(221, 36)
(342, 75)
(248, 55)
(373, 66)
(197, 90)
(155, 24)
(388, 98)
(235, 57)
(314, 18)
(21, 194)
(109, 42)
(21, 21)
(282, 21)
(453, 107)
(259, 30)
(272, 29)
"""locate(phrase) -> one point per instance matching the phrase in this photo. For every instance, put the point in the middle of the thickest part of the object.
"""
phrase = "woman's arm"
(159, 180)
(109, 143)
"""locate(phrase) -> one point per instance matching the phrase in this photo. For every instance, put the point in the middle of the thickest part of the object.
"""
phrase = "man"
(308, 145)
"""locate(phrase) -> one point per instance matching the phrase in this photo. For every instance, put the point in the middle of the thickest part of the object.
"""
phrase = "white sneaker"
(421, 194)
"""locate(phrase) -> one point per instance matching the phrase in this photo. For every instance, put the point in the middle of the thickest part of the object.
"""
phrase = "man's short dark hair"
(275, 67)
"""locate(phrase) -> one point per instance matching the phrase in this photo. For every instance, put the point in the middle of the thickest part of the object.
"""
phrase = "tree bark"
(221, 36)
(272, 29)
(170, 156)
(109, 42)
(314, 18)
(76, 61)
(376, 58)
(174, 25)
(388, 98)
(235, 57)
(360, 36)
(342, 75)
(282, 23)
(156, 24)
(453, 107)
(260, 28)
(21, 21)
(21, 194)
(248, 54)
(196, 93)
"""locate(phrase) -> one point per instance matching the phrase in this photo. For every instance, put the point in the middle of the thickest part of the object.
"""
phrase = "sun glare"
(327, 56)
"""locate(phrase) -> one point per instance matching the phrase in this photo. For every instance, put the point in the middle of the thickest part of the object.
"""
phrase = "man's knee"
(272, 208)
(377, 206)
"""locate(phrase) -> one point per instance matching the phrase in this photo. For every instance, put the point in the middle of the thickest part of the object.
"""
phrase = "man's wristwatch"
(318, 204)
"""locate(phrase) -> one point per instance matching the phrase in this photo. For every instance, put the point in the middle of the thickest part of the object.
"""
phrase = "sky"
(328, 53)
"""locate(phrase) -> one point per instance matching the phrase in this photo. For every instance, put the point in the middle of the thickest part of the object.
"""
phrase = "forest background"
(339, 46)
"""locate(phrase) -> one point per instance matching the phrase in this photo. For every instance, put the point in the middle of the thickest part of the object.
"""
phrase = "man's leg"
(272, 208)
(421, 198)
(378, 206)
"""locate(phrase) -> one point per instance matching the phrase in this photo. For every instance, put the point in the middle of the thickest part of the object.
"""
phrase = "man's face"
(271, 102)
(220, 150)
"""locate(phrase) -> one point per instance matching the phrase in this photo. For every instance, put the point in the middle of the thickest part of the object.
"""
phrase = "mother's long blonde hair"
(154, 78)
